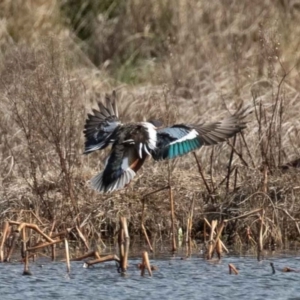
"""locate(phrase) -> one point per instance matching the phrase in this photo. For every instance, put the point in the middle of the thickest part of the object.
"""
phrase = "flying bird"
(132, 143)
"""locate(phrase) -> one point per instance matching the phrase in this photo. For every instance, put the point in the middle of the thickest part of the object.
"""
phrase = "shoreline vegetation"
(190, 62)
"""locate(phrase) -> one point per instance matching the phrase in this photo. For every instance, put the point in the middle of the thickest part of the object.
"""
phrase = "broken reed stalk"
(145, 264)
(204, 232)
(143, 226)
(143, 214)
(189, 229)
(35, 228)
(218, 245)
(67, 256)
(97, 255)
(87, 255)
(249, 236)
(121, 247)
(5, 234)
(43, 245)
(123, 241)
(273, 268)
(207, 223)
(210, 249)
(232, 269)
(190, 237)
(172, 210)
(30, 231)
(12, 246)
(25, 253)
(53, 252)
(23, 248)
(219, 249)
(187, 236)
(172, 219)
(103, 259)
(127, 241)
(260, 237)
(147, 238)
(83, 238)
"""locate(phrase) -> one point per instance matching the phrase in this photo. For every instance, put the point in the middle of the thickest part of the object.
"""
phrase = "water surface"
(193, 278)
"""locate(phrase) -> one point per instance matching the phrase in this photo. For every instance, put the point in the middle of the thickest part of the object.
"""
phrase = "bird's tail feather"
(98, 184)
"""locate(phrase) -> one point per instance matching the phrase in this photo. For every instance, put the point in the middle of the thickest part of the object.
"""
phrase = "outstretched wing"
(181, 139)
(100, 125)
(121, 167)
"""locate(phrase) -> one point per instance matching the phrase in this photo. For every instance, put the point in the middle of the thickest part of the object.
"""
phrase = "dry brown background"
(176, 60)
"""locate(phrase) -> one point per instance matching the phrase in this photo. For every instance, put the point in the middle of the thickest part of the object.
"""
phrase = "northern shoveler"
(132, 143)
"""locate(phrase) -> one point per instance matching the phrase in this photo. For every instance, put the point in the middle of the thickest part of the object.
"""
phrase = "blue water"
(194, 278)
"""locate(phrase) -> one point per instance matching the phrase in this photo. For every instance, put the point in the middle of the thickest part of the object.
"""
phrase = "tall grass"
(179, 61)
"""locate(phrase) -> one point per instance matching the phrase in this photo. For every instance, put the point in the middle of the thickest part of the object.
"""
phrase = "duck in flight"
(132, 143)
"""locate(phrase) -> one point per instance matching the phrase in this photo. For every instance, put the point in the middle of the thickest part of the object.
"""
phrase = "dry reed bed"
(193, 62)
(43, 110)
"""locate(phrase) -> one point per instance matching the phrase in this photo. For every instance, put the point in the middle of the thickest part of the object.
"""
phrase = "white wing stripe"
(151, 129)
(190, 136)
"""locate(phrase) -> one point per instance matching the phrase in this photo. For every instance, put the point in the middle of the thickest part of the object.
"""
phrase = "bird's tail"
(102, 186)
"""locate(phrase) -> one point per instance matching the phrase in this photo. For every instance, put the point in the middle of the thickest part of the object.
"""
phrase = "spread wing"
(121, 167)
(181, 139)
(100, 126)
